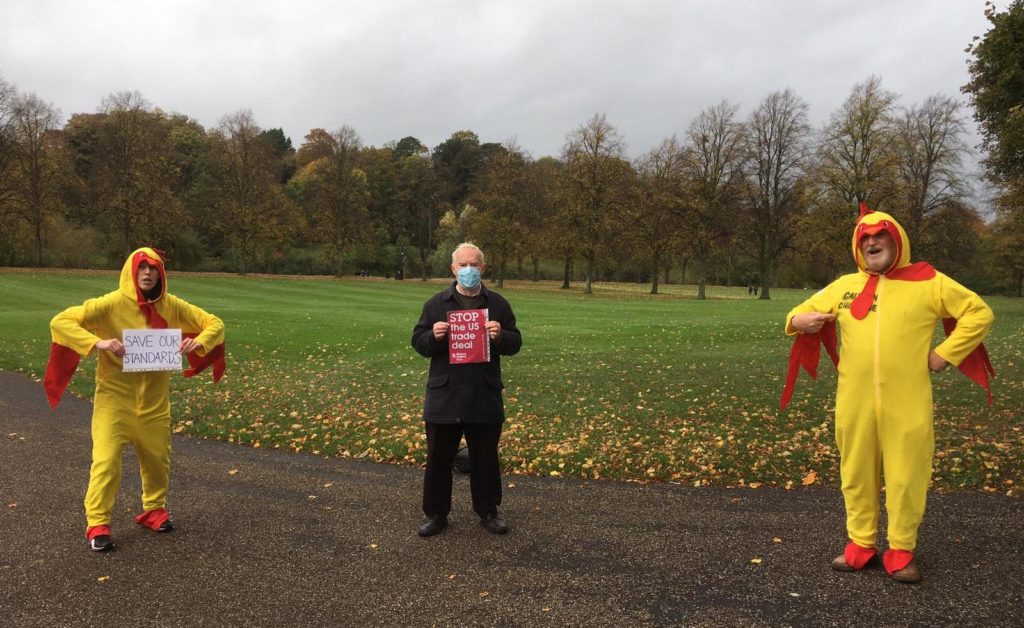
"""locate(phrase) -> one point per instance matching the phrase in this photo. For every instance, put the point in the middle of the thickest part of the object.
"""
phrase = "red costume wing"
(806, 352)
(976, 366)
(61, 366)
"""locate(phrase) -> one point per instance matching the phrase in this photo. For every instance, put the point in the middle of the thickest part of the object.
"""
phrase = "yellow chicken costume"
(884, 397)
(129, 407)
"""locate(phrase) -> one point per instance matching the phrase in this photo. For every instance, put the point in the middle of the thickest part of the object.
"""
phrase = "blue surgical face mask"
(469, 277)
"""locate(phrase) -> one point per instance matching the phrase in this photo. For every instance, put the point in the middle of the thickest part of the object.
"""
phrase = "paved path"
(272, 539)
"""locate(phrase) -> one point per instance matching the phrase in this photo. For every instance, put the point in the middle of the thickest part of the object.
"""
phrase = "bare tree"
(714, 173)
(252, 212)
(8, 99)
(930, 146)
(38, 165)
(593, 155)
(857, 157)
(130, 174)
(655, 221)
(777, 149)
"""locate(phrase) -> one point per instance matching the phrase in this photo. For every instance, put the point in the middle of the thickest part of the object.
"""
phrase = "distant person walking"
(887, 313)
(464, 399)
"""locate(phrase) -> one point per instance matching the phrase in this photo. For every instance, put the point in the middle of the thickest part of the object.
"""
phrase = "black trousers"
(485, 476)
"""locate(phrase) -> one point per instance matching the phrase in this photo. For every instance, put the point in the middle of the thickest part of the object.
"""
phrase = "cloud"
(530, 69)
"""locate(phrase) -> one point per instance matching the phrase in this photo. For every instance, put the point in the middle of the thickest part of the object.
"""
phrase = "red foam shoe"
(99, 538)
(157, 520)
(901, 566)
(854, 558)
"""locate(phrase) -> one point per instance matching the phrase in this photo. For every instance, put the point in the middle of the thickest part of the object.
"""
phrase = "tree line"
(765, 199)
(996, 90)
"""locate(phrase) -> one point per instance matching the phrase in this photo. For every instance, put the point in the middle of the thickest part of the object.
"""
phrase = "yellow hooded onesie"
(884, 397)
(129, 407)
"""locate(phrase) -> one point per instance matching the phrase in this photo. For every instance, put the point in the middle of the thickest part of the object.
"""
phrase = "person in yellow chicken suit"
(130, 407)
(886, 314)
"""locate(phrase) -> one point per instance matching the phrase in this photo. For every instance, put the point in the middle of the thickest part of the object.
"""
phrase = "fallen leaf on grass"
(810, 478)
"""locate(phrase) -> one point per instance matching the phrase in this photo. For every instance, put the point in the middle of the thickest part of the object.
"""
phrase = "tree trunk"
(654, 273)
(536, 268)
(39, 242)
(702, 279)
(765, 281)
(589, 288)
(501, 272)
(565, 273)
(423, 265)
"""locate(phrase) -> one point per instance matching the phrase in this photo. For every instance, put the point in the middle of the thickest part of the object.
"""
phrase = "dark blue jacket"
(464, 393)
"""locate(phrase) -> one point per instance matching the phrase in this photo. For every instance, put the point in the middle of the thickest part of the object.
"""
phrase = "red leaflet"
(467, 337)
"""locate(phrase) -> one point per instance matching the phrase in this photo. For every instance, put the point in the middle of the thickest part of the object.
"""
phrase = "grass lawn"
(619, 384)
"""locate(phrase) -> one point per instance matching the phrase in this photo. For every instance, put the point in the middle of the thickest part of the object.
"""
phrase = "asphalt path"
(267, 538)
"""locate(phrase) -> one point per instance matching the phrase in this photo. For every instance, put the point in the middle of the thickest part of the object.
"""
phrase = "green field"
(619, 384)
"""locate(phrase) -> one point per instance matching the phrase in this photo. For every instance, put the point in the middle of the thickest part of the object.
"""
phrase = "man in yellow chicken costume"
(130, 407)
(886, 313)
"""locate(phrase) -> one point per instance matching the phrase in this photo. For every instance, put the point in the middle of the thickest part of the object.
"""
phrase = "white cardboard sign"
(151, 350)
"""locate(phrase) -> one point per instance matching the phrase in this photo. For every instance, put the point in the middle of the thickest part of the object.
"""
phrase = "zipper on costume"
(878, 341)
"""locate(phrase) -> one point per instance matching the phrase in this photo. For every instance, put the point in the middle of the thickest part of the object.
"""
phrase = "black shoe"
(433, 525)
(166, 526)
(101, 543)
(494, 523)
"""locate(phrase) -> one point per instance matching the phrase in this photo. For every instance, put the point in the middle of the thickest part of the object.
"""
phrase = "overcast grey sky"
(533, 70)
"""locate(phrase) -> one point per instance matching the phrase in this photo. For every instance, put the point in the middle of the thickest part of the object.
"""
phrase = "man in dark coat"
(464, 399)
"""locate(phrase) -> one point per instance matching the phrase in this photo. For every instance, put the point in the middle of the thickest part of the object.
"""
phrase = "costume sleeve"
(973, 320)
(72, 327)
(423, 333)
(824, 301)
(195, 320)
